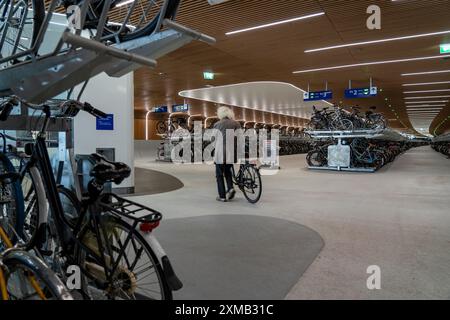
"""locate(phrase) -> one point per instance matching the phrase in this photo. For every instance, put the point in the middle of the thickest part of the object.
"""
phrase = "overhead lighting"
(424, 112)
(429, 105)
(427, 113)
(378, 41)
(427, 91)
(124, 3)
(427, 109)
(414, 102)
(372, 63)
(427, 97)
(425, 73)
(276, 23)
(424, 83)
(58, 23)
(120, 24)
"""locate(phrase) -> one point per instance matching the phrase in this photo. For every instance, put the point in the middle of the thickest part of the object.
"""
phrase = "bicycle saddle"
(108, 171)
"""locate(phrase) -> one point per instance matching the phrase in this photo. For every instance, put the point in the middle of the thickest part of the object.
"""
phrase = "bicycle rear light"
(148, 226)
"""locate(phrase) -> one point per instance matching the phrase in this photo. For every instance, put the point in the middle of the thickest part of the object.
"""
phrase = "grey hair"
(225, 112)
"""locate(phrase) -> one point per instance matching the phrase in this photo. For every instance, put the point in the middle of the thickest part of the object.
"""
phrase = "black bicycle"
(249, 181)
(109, 238)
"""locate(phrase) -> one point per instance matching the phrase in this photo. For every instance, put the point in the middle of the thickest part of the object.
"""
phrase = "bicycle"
(248, 179)
(22, 275)
(108, 237)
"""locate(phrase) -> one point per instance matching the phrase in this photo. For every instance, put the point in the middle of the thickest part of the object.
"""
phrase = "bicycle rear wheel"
(139, 275)
(11, 201)
(251, 183)
(28, 278)
(144, 17)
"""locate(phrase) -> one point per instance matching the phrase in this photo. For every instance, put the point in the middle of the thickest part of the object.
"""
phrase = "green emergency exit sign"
(445, 48)
(208, 75)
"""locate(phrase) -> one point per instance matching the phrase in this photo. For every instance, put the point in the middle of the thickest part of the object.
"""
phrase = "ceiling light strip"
(425, 73)
(426, 97)
(428, 105)
(378, 41)
(418, 102)
(372, 63)
(427, 91)
(276, 23)
(424, 83)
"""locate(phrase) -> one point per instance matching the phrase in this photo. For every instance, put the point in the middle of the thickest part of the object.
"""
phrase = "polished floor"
(397, 219)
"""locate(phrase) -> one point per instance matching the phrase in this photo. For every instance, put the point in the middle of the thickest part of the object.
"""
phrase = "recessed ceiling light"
(427, 91)
(423, 112)
(415, 102)
(420, 112)
(124, 3)
(378, 41)
(372, 63)
(276, 23)
(425, 73)
(427, 109)
(426, 97)
(424, 83)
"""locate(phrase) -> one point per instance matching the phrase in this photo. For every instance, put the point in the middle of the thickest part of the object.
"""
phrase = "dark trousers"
(224, 170)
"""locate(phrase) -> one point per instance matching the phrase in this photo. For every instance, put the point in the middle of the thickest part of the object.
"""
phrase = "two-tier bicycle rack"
(76, 59)
(381, 134)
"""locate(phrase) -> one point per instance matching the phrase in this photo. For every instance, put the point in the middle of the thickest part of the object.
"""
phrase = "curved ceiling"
(274, 53)
(269, 96)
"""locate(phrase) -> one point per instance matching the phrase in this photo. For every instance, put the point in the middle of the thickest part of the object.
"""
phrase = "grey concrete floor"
(397, 218)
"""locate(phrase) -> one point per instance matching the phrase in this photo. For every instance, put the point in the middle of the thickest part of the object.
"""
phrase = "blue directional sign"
(361, 92)
(318, 95)
(180, 108)
(161, 109)
(105, 123)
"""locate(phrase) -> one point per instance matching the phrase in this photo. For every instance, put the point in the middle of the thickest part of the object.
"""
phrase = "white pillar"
(112, 96)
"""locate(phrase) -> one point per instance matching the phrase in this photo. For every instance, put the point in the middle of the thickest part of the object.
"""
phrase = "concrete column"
(112, 96)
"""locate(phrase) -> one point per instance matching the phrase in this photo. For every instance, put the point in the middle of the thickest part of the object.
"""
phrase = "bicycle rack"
(342, 152)
(76, 59)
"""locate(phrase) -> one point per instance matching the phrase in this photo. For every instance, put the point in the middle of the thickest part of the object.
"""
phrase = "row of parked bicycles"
(364, 153)
(57, 244)
(339, 119)
(442, 147)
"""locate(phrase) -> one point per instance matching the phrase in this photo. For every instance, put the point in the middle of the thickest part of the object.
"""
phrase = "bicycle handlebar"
(69, 108)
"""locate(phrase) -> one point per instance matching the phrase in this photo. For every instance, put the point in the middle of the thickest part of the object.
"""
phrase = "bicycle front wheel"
(251, 183)
(28, 278)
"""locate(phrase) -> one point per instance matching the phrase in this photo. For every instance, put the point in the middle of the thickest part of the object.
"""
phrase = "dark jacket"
(223, 154)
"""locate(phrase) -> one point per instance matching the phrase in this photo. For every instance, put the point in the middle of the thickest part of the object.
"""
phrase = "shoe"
(230, 194)
(221, 199)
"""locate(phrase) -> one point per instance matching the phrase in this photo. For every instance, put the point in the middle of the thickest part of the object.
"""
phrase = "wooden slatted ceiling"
(273, 53)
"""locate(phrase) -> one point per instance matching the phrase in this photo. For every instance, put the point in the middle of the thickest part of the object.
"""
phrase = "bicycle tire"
(80, 254)
(166, 292)
(52, 285)
(257, 176)
(150, 27)
(17, 220)
(38, 9)
(35, 201)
